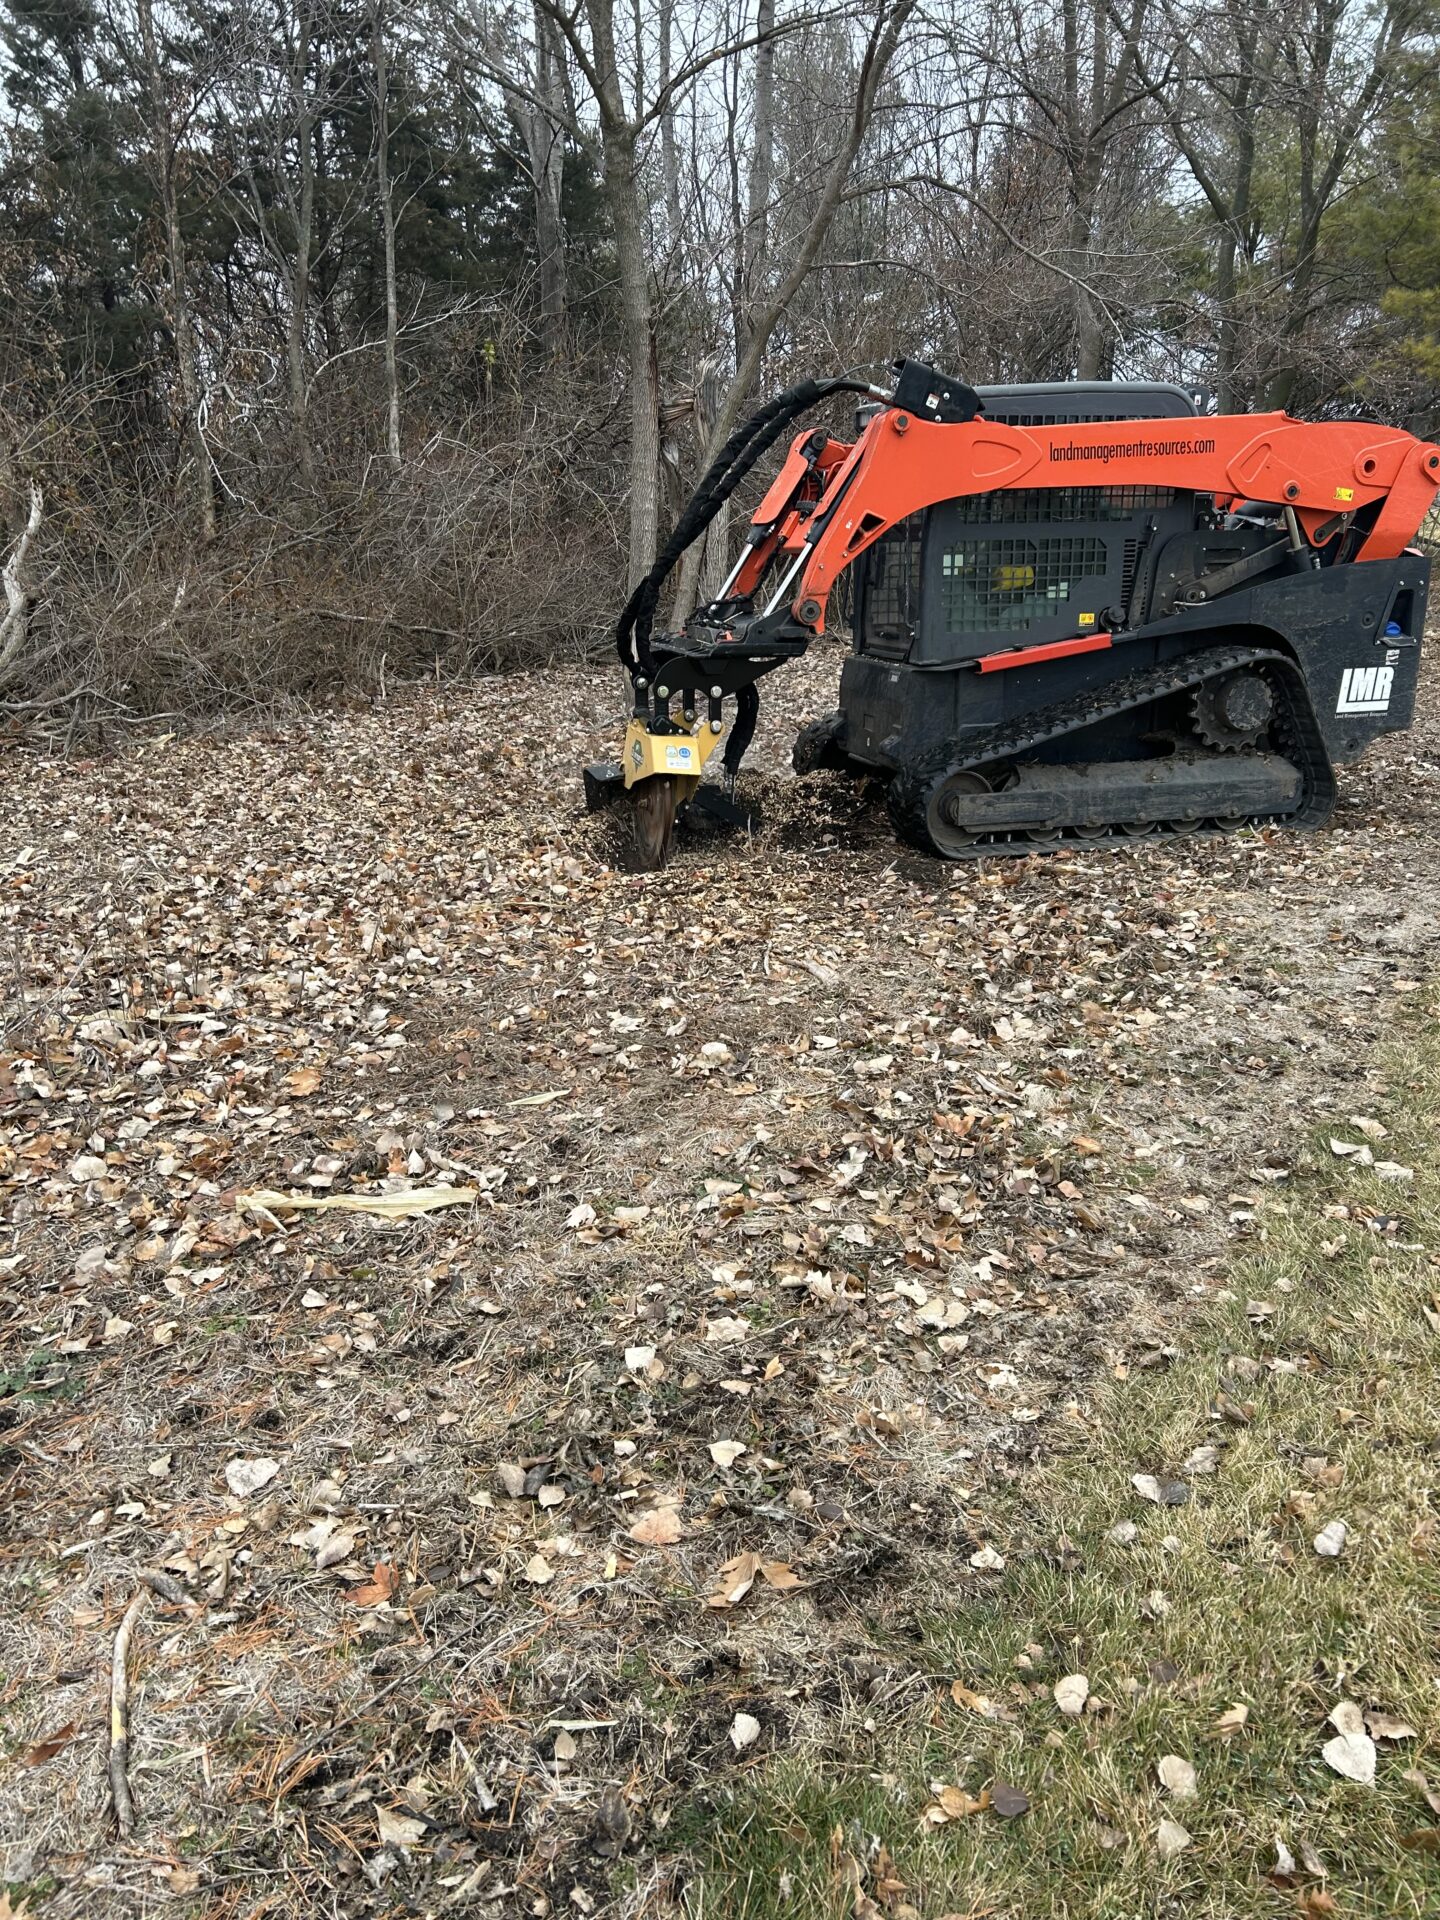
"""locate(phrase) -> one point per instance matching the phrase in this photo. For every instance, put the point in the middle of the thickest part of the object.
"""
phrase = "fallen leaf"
(47, 1748)
(538, 1570)
(952, 1803)
(660, 1527)
(338, 1547)
(385, 1206)
(1162, 1493)
(1315, 1900)
(244, 1477)
(379, 1588)
(1171, 1839)
(1071, 1693)
(398, 1829)
(1177, 1776)
(735, 1580)
(1329, 1543)
(1392, 1170)
(1415, 1778)
(1385, 1726)
(1422, 1840)
(987, 1560)
(1352, 1755)
(1346, 1717)
(1201, 1460)
(726, 1452)
(777, 1574)
(972, 1702)
(1232, 1720)
(303, 1082)
(744, 1731)
(1009, 1802)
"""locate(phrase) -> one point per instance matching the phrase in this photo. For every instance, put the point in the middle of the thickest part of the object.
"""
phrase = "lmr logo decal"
(1365, 690)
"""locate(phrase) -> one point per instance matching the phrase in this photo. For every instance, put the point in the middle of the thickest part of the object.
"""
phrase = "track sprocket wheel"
(1233, 711)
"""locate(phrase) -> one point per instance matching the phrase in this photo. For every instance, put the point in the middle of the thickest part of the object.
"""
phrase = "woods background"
(344, 340)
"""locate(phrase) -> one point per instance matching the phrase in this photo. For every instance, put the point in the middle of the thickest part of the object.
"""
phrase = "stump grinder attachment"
(1079, 612)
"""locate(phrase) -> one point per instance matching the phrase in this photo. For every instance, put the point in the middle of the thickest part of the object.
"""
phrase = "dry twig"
(120, 1795)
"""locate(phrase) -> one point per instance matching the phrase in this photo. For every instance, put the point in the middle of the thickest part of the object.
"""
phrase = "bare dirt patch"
(810, 1183)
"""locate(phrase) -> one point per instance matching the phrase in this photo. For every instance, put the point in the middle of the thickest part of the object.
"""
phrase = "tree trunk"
(182, 319)
(1084, 158)
(755, 241)
(381, 64)
(541, 127)
(622, 190)
(669, 146)
(304, 235)
(640, 352)
(1234, 236)
(1089, 328)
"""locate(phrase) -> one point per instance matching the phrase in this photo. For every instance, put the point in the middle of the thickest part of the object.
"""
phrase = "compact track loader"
(1080, 612)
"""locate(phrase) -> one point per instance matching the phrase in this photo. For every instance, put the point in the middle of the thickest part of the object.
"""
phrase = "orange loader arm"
(828, 505)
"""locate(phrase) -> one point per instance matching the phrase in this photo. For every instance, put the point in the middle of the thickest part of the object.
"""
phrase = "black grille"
(1009, 419)
(892, 589)
(1127, 572)
(1060, 503)
(1010, 583)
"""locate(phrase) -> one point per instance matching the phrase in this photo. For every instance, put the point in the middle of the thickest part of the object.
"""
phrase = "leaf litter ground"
(808, 1185)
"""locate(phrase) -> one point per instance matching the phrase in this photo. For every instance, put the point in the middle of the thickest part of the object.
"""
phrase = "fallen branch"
(266, 1202)
(120, 1796)
(14, 626)
(166, 1588)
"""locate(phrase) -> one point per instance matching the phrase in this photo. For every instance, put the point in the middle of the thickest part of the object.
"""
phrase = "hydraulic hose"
(746, 445)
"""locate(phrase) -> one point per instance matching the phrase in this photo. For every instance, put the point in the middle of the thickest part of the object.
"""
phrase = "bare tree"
(165, 131)
(763, 313)
(380, 64)
(301, 38)
(1293, 89)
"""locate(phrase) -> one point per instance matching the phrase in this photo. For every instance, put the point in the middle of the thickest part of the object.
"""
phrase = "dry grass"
(383, 948)
(1314, 1373)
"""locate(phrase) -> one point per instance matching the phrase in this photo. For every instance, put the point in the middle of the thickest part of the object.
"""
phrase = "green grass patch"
(1314, 1374)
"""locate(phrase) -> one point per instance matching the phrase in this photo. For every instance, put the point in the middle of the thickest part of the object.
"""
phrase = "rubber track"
(1294, 724)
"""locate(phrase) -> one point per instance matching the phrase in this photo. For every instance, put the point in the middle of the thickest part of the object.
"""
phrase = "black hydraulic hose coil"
(746, 445)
